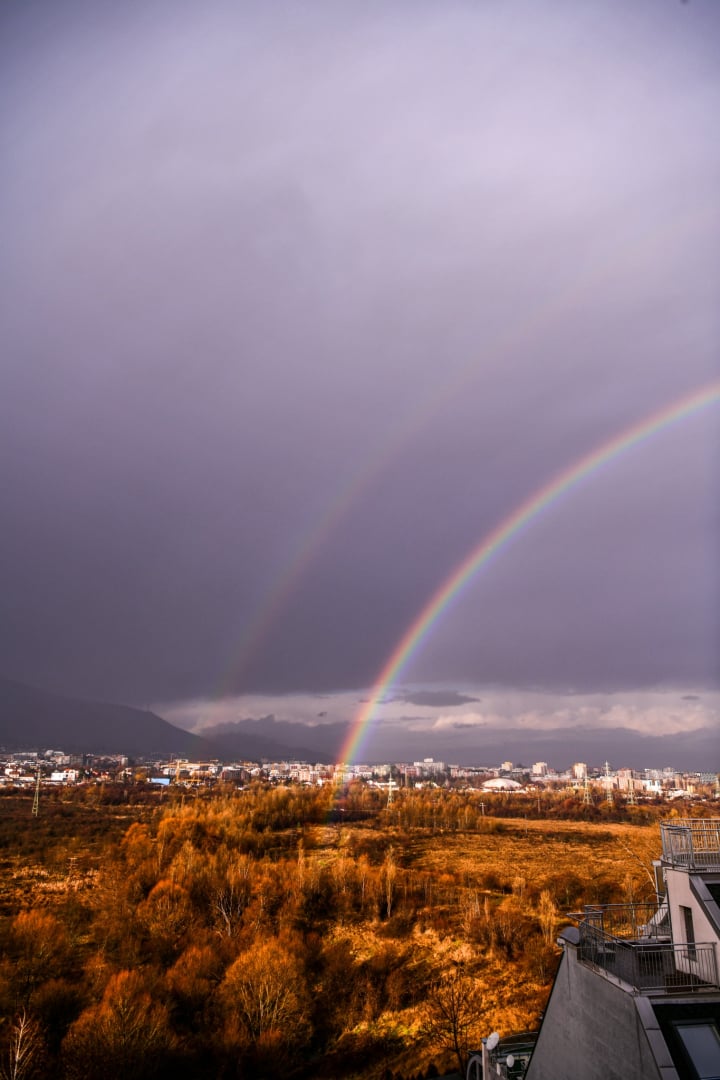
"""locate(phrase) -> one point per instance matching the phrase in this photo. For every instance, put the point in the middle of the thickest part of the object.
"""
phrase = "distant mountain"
(36, 719)
(33, 719)
(277, 739)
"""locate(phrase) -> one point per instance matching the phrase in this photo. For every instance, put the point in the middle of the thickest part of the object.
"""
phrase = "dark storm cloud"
(439, 699)
(258, 264)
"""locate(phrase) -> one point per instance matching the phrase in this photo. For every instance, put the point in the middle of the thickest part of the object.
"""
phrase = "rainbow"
(258, 624)
(510, 527)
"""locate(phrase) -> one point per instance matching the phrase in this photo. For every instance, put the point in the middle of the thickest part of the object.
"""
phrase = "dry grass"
(503, 868)
(463, 899)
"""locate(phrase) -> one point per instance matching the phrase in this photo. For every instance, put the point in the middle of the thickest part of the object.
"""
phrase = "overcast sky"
(299, 300)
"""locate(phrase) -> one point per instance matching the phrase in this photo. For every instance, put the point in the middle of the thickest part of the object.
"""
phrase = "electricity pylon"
(36, 800)
(608, 785)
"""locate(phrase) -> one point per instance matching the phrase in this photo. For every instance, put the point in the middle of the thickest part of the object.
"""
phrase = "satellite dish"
(493, 1040)
(510, 1060)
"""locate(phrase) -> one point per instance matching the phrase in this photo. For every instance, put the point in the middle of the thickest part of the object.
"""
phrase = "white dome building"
(501, 783)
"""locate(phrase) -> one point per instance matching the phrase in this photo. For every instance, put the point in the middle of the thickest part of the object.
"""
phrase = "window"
(689, 932)
(702, 1045)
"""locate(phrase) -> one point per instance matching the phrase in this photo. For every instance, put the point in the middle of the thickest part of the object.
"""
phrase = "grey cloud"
(440, 699)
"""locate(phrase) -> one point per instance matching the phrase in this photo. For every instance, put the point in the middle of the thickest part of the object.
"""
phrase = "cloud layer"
(641, 729)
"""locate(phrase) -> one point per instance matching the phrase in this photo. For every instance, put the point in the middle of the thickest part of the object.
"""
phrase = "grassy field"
(368, 922)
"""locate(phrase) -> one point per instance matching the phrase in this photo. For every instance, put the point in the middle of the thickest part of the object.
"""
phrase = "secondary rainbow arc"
(493, 542)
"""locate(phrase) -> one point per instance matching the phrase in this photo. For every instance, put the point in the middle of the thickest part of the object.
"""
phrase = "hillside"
(31, 719)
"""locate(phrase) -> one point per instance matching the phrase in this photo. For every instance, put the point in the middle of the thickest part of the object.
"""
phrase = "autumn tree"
(229, 890)
(38, 947)
(191, 982)
(389, 879)
(547, 915)
(23, 1048)
(265, 995)
(451, 1014)
(126, 1034)
(165, 916)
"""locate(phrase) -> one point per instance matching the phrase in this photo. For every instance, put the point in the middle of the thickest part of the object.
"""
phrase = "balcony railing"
(650, 966)
(643, 921)
(692, 844)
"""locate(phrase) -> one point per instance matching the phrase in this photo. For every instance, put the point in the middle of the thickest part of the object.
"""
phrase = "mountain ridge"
(33, 719)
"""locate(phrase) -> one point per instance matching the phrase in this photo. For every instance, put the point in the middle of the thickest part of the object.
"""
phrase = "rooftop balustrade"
(691, 844)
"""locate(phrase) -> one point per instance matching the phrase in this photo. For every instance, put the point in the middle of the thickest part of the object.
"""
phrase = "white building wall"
(681, 895)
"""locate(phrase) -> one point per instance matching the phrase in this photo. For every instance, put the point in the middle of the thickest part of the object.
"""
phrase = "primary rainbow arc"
(493, 542)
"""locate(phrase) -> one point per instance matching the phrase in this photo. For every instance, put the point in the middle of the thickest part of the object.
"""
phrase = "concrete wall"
(591, 1030)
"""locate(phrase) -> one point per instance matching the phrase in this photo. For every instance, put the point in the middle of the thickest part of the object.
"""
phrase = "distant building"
(429, 765)
(501, 783)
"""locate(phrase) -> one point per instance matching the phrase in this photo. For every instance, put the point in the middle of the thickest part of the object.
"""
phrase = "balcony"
(643, 921)
(691, 844)
(633, 944)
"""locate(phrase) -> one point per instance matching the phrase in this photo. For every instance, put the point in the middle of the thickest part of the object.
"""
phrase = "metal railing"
(691, 843)
(643, 921)
(650, 966)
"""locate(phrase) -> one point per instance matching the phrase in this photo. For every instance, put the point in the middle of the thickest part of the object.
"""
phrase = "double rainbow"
(520, 518)
(322, 524)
